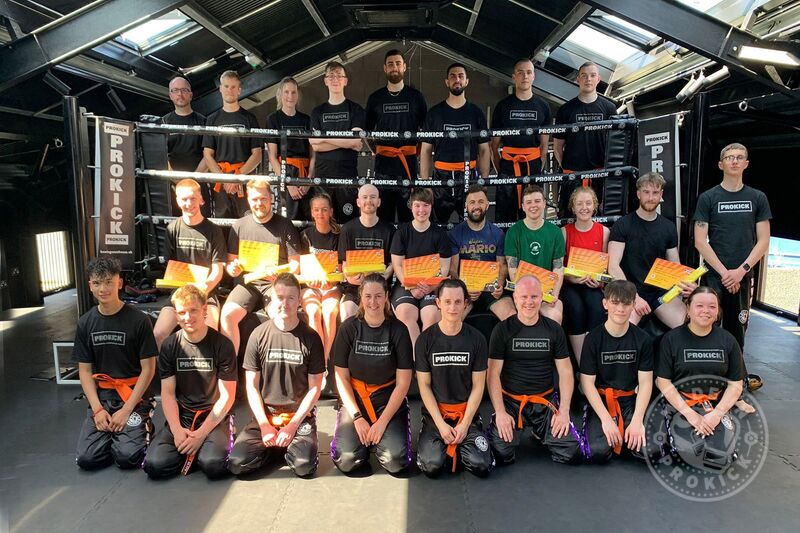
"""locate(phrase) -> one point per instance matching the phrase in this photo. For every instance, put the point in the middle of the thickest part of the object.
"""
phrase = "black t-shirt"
(732, 219)
(202, 244)
(185, 151)
(404, 111)
(341, 117)
(197, 367)
(683, 354)
(114, 344)
(513, 113)
(277, 230)
(442, 117)
(229, 148)
(528, 354)
(411, 243)
(645, 241)
(314, 241)
(584, 150)
(373, 355)
(294, 147)
(285, 360)
(356, 236)
(616, 361)
(451, 360)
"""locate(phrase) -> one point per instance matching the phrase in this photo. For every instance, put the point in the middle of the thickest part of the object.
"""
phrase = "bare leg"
(504, 308)
(232, 314)
(167, 320)
(212, 317)
(553, 311)
(576, 341)
(408, 314)
(330, 311)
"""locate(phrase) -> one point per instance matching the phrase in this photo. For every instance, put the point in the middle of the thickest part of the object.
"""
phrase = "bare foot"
(745, 407)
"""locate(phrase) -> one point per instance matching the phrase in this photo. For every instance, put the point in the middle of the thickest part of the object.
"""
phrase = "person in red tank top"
(583, 297)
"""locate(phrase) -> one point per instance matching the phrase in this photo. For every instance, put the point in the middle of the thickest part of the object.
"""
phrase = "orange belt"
(693, 399)
(229, 168)
(121, 385)
(364, 391)
(521, 155)
(530, 398)
(452, 167)
(614, 409)
(402, 152)
(189, 460)
(300, 163)
(455, 412)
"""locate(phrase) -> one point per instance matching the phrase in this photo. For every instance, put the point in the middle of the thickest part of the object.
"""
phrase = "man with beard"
(445, 156)
(229, 154)
(367, 232)
(396, 107)
(478, 240)
(261, 225)
(186, 151)
(338, 158)
(584, 150)
(651, 236)
(521, 154)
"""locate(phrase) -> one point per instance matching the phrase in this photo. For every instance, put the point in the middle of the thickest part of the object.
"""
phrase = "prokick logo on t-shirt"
(456, 127)
(100, 338)
(619, 356)
(292, 357)
(190, 243)
(527, 345)
(378, 349)
(703, 356)
(588, 117)
(341, 116)
(523, 114)
(450, 358)
(368, 243)
(186, 364)
(741, 206)
(400, 107)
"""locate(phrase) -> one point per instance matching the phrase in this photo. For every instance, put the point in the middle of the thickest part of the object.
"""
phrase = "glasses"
(335, 77)
(732, 158)
(180, 91)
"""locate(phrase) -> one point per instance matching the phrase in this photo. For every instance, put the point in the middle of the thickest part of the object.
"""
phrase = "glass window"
(153, 31)
(601, 44)
(700, 5)
(782, 279)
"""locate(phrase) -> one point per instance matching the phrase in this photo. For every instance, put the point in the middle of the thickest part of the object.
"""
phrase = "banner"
(117, 184)
(658, 152)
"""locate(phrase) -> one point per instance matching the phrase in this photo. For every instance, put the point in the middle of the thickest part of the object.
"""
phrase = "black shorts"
(401, 295)
(651, 296)
(485, 302)
(249, 297)
(350, 293)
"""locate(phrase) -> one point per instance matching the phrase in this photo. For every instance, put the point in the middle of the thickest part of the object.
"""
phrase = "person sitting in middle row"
(413, 239)
(321, 298)
(374, 360)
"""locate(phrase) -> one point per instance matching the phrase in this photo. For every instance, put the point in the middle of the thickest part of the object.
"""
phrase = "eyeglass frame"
(181, 90)
(732, 158)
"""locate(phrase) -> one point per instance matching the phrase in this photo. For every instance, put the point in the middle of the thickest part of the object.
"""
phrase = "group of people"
(391, 331)
(395, 107)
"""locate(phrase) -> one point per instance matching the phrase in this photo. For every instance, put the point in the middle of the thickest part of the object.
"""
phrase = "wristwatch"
(746, 267)
(357, 416)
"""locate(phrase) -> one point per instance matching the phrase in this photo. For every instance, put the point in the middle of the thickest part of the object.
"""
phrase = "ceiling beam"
(211, 24)
(317, 16)
(574, 19)
(72, 34)
(19, 127)
(697, 31)
(473, 16)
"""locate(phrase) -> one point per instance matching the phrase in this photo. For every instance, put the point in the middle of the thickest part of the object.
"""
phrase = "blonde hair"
(188, 183)
(281, 84)
(187, 293)
(583, 190)
(733, 146)
(259, 183)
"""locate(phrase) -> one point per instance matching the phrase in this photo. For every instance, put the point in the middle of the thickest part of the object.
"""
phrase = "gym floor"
(41, 489)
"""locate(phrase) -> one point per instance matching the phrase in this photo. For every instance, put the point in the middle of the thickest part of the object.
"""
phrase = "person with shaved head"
(367, 232)
(525, 351)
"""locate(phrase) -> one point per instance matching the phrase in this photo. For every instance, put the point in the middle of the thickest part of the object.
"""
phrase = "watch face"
(746, 267)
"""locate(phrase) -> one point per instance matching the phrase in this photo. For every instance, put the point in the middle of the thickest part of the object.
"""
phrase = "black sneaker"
(754, 382)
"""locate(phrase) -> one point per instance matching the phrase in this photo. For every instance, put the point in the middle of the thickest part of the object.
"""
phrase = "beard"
(476, 215)
(457, 91)
(649, 207)
(394, 77)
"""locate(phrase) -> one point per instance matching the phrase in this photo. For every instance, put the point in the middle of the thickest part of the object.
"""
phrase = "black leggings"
(583, 308)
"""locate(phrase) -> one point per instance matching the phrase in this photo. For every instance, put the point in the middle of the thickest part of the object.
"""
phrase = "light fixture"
(253, 60)
(631, 109)
(56, 84)
(197, 68)
(116, 101)
(621, 110)
(770, 56)
(691, 88)
(722, 74)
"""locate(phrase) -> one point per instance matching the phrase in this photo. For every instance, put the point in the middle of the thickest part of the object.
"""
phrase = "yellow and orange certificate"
(547, 278)
(583, 262)
(424, 269)
(478, 274)
(179, 274)
(667, 275)
(320, 265)
(363, 262)
(255, 255)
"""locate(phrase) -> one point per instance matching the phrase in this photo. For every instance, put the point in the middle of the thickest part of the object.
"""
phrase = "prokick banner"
(117, 190)
(658, 153)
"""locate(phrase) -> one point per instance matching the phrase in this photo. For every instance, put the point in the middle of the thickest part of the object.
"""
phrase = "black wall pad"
(619, 152)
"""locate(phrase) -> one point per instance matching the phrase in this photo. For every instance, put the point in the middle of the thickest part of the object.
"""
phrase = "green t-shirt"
(539, 247)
